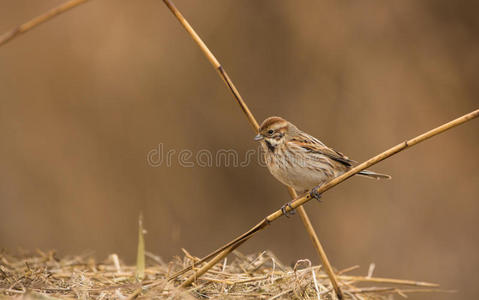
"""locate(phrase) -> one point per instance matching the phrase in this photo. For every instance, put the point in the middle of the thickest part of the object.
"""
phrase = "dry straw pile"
(260, 276)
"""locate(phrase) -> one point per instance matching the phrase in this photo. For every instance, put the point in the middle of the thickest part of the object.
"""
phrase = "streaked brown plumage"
(298, 159)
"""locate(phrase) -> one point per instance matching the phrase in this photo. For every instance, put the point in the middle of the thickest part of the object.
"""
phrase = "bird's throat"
(270, 146)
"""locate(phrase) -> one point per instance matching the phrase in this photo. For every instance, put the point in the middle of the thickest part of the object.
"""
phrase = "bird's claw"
(289, 213)
(314, 194)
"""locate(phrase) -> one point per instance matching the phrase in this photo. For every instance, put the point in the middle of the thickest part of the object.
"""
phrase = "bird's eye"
(270, 131)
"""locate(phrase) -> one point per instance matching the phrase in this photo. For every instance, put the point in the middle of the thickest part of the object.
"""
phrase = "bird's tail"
(374, 175)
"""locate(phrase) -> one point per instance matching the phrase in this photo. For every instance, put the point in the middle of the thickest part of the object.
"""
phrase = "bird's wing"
(313, 145)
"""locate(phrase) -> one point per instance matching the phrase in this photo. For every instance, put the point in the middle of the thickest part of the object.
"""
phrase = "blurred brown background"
(85, 97)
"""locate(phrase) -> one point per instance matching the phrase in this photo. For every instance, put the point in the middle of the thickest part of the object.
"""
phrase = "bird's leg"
(291, 212)
(314, 193)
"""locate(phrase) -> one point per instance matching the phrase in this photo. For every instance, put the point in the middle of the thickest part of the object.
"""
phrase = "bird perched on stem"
(301, 161)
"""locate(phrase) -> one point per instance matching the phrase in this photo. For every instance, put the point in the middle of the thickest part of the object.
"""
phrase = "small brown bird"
(301, 161)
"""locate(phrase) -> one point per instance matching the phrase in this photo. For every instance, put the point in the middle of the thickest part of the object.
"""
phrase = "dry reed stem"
(212, 59)
(8, 36)
(302, 200)
(302, 212)
(319, 248)
(210, 264)
(140, 253)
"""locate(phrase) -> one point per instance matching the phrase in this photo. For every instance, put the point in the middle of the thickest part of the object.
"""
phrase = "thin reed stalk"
(8, 36)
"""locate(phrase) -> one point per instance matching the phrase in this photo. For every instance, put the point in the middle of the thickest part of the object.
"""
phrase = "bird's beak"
(259, 137)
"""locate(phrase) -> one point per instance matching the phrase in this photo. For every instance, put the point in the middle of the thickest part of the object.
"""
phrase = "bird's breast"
(299, 171)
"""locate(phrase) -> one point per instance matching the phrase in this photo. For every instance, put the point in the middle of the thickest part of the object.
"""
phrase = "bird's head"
(273, 132)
